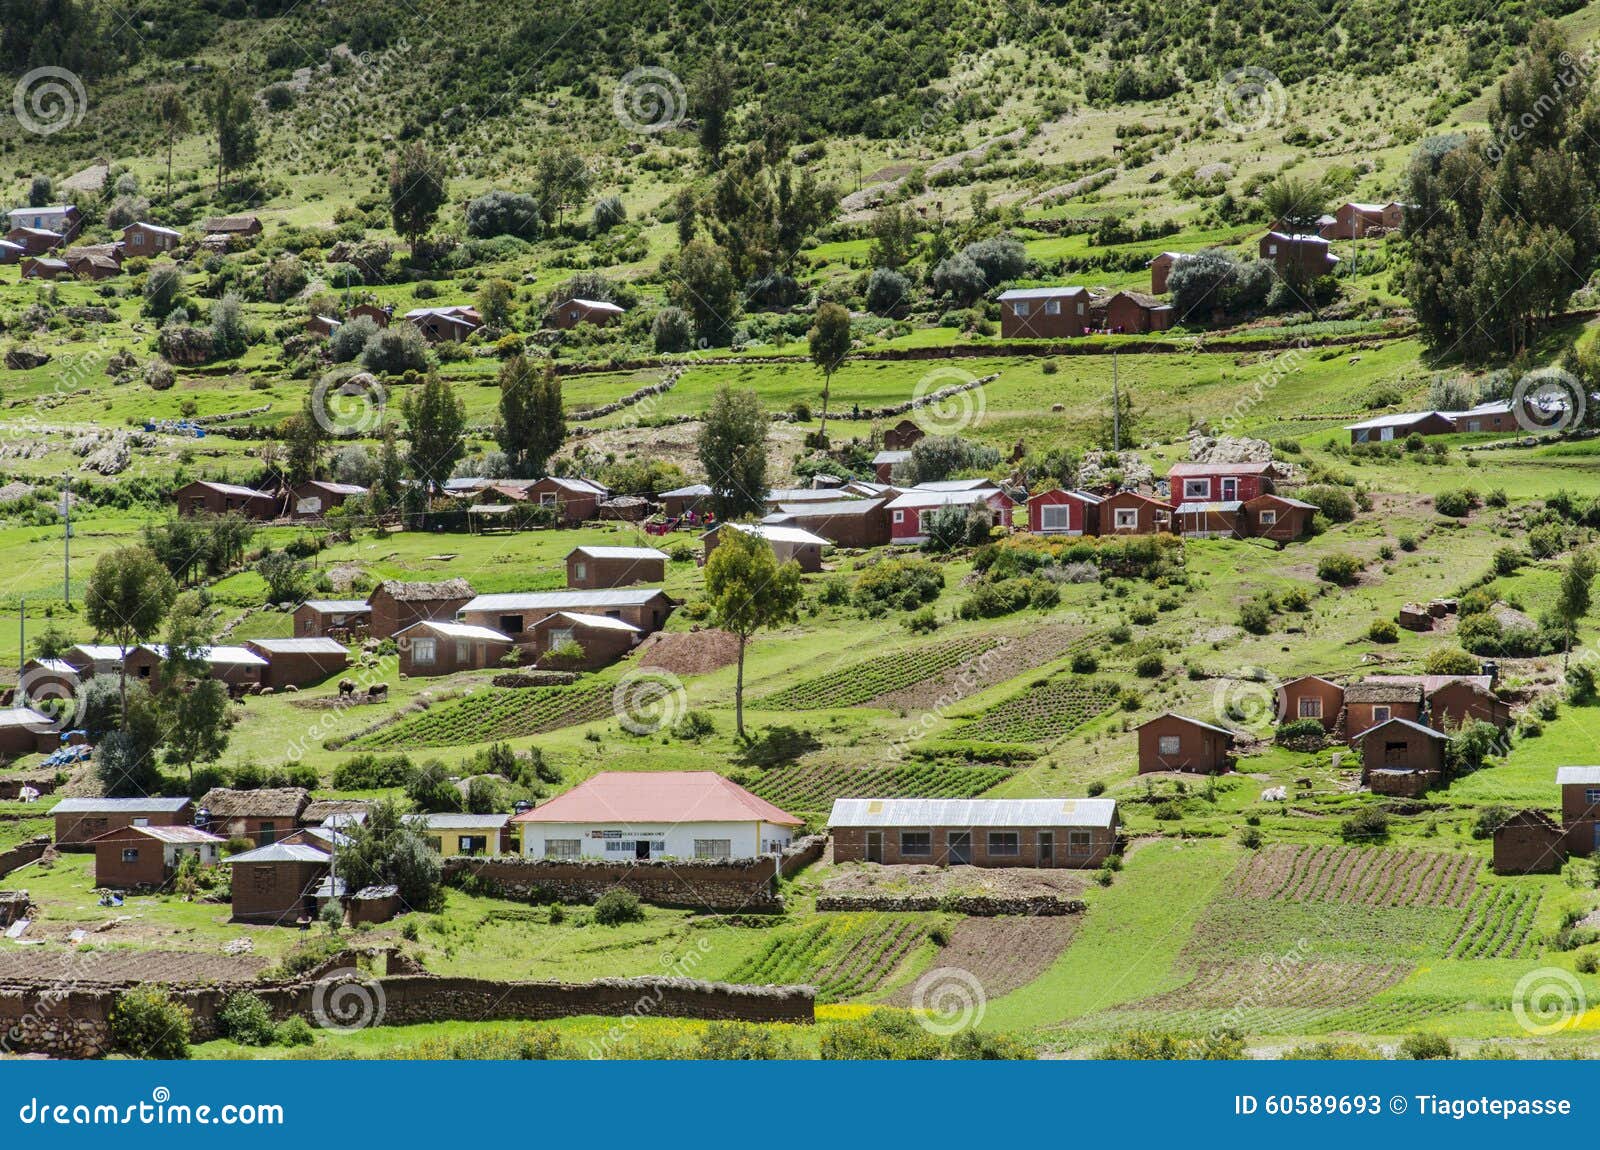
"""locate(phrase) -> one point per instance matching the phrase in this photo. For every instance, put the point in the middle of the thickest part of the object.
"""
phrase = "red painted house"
(909, 512)
(1061, 512)
(1220, 482)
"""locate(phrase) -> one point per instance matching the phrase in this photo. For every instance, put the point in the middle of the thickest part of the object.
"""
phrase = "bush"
(738, 1041)
(888, 292)
(1256, 617)
(1489, 820)
(1449, 661)
(609, 213)
(1250, 839)
(294, 1031)
(694, 726)
(671, 331)
(145, 1023)
(396, 349)
(1370, 824)
(617, 907)
(1341, 569)
(1407, 541)
(1335, 503)
(500, 213)
(350, 338)
(245, 1018)
(898, 583)
(1426, 1046)
(1457, 504)
(1301, 733)
(882, 1035)
(1084, 663)
(1383, 631)
(1149, 665)
(923, 621)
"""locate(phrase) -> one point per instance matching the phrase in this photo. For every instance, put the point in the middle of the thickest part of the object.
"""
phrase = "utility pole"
(1116, 407)
(22, 640)
(66, 540)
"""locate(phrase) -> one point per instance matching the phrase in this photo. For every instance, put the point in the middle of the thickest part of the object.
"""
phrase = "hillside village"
(635, 571)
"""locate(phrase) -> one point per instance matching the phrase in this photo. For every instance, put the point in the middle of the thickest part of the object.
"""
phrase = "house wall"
(312, 624)
(1431, 424)
(1360, 716)
(300, 667)
(1580, 815)
(1291, 522)
(74, 830)
(1082, 518)
(571, 507)
(868, 529)
(450, 655)
(666, 840)
(1528, 847)
(902, 436)
(599, 573)
(740, 885)
(1454, 703)
(148, 869)
(262, 830)
(601, 646)
(1038, 324)
(1330, 695)
(1160, 272)
(1208, 524)
(194, 497)
(1199, 749)
(851, 844)
(648, 617)
(1148, 514)
(1499, 422)
(1401, 747)
(448, 842)
(140, 240)
(275, 893)
(1126, 314)
(390, 615)
(1217, 488)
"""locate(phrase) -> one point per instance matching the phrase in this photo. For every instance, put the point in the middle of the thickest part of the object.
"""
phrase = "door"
(960, 848)
(1047, 848)
(875, 846)
(1230, 490)
(641, 849)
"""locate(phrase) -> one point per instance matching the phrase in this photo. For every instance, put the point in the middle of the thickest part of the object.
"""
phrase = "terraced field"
(1363, 875)
(861, 683)
(492, 713)
(813, 788)
(1499, 924)
(1042, 713)
(843, 956)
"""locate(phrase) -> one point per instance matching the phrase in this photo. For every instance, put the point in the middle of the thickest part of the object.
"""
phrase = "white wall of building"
(619, 842)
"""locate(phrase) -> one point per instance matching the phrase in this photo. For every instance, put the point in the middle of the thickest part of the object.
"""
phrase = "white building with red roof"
(625, 815)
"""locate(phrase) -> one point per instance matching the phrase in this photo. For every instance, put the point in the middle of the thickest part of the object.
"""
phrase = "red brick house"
(241, 226)
(203, 495)
(603, 640)
(44, 268)
(1172, 742)
(24, 731)
(1134, 513)
(592, 567)
(570, 313)
(844, 523)
(142, 239)
(1277, 517)
(1356, 221)
(35, 241)
(299, 661)
(1580, 807)
(133, 857)
(99, 262)
(1498, 417)
(326, 618)
(1220, 482)
(884, 463)
(238, 667)
(1137, 313)
(80, 820)
(1062, 512)
(1298, 256)
(394, 605)
(1450, 700)
(319, 496)
(1403, 758)
(975, 832)
(63, 220)
(1161, 270)
(1044, 313)
(1529, 842)
(380, 314)
(1310, 697)
(276, 885)
(441, 647)
(442, 324)
(682, 500)
(786, 542)
(573, 500)
(263, 816)
(1367, 704)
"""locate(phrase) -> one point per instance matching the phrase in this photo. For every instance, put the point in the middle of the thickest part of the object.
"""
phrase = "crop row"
(813, 788)
(843, 956)
(1042, 713)
(864, 681)
(493, 713)
(1498, 924)
(1358, 875)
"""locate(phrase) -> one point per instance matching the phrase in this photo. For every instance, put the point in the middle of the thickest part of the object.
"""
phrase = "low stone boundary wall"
(75, 1021)
(693, 884)
(801, 854)
(980, 906)
(23, 853)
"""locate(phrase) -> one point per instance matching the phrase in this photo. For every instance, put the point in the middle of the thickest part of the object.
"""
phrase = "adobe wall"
(694, 884)
(23, 853)
(980, 906)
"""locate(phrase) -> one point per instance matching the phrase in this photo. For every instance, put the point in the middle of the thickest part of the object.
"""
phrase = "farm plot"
(843, 956)
(865, 681)
(1499, 924)
(492, 713)
(813, 788)
(1012, 655)
(1042, 713)
(1002, 953)
(1365, 876)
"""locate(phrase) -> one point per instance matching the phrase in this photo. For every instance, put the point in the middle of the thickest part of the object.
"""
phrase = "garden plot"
(1012, 655)
(1001, 953)
(1499, 924)
(1042, 713)
(492, 713)
(843, 956)
(921, 881)
(871, 679)
(1367, 876)
(128, 966)
(813, 788)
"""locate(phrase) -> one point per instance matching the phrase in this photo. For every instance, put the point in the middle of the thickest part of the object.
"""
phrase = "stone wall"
(801, 854)
(694, 884)
(23, 853)
(981, 906)
(75, 1022)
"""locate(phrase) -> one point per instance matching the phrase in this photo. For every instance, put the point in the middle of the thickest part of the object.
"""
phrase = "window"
(1268, 518)
(463, 651)
(562, 848)
(1169, 744)
(547, 499)
(1197, 489)
(141, 822)
(1592, 795)
(436, 844)
(1079, 843)
(1020, 309)
(267, 835)
(580, 571)
(1380, 714)
(1311, 708)
(1055, 517)
(713, 848)
(138, 239)
(472, 844)
(899, 516)
(1127, 518)
(1272, 249)
(922, 522)
(424, 651)
(1080, 307)
(130, 854)
(560, 635)
(916, 842)
(511, 624)
(1052, 307)
(1005, 843)
(1395, 754)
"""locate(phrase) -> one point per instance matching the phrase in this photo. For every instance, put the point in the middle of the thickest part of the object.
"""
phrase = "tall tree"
(748, 589)
(387, 486)
(829, 342)
(418, 188)
(563, 179)
(173, 116)
(129, 594)
(1572, 603)
(895, 231)
(532, 423)
(193, 705)
(233, 120)
(436, 424)
(712, 99)
(733, 452)
(701, 283)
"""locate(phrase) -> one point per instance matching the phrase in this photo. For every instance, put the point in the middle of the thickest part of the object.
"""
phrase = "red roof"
(657, 797)
(1259, 468)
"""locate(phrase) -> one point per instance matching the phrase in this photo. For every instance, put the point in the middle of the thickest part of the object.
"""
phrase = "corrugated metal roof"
(575, 600)
(280, 852)
(301, 646)
(773, 533)
(1206, 508)
(1042, 293)
(1588, 776)
(599, 622)
(24, 717)
(922, 498)
(618, 552)
(1403, 419)
(457, 631)
(973, 812)
(694, 490)
(115, 806)
(338, 606)
(456, 822)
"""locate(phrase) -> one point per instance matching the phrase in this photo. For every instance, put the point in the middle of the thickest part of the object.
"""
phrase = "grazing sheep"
(347, 686)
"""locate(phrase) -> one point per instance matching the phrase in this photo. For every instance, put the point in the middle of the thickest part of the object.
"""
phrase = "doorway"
(1047, 848)
(960, 848)
(641, 849)
(875, 846)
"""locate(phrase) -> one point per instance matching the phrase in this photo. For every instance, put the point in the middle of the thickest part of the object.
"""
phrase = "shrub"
(245, 1018)
(694, 726)
(1370, 824)
(1250, 839)
(1096, 789)
(617, 907)
(1335, 503)
(882, 1035)
(902, 583)
(1580, 684)
(1489, 820)
(1457, 504)
(1149, 665)
(1256, 617)
(1341, 568)
(888, 291)
(1152, 1046)
(1407, 541)
(1425, 1046)
(294, 1031)
(738, 1041)
(923, 621)
(1084, 663)
(609, 213)
(1507, 559)
(1383, 631)
(1449, 661)
(671, 331)
(1587, 963)
(1545, 541)
(500, 213)
(1305, 734)
(395, 349)
(145, 1023)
